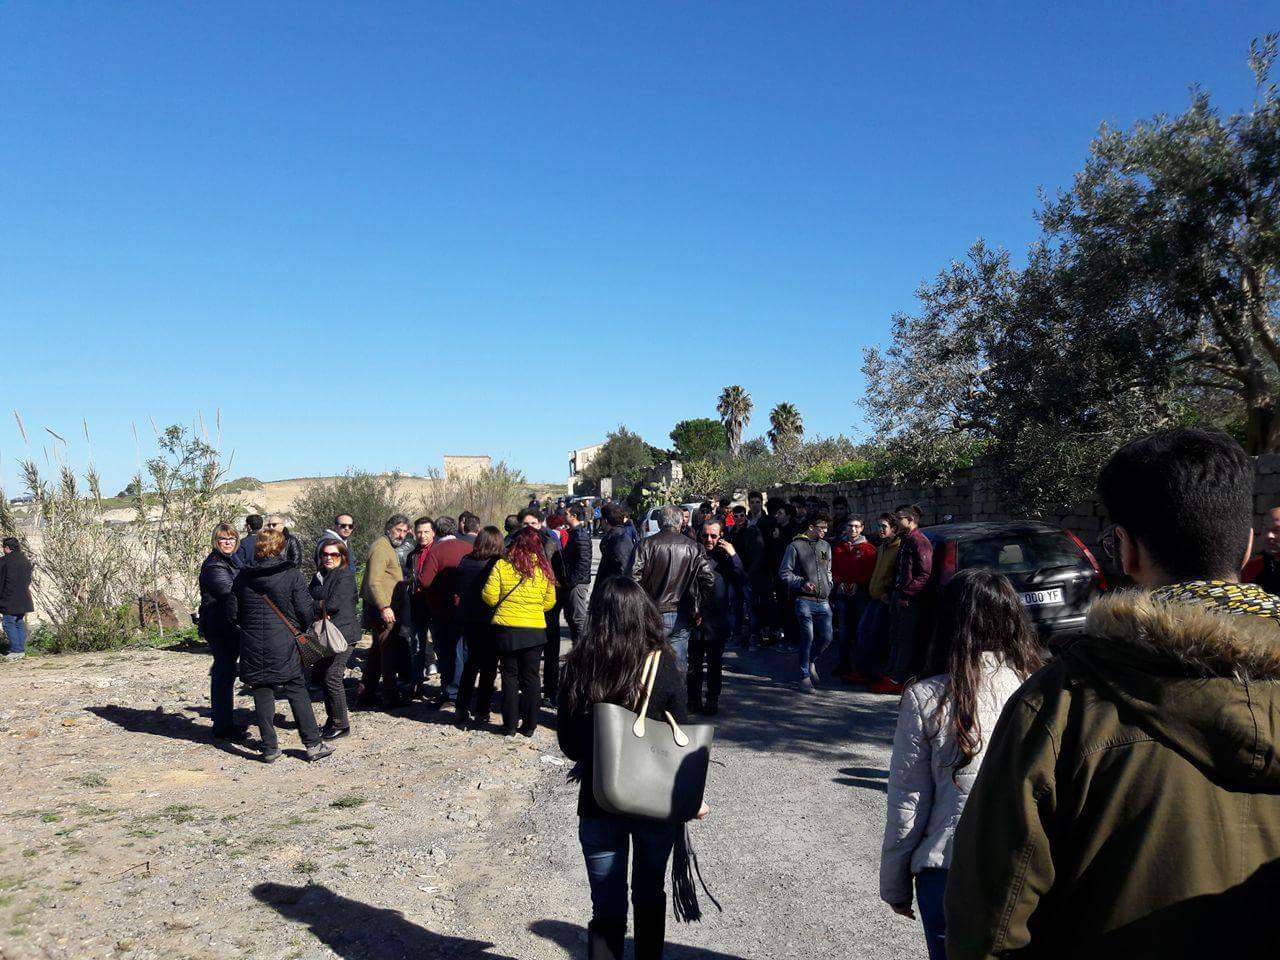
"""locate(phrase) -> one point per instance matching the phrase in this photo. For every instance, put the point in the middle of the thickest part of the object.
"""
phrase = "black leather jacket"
(674, 571)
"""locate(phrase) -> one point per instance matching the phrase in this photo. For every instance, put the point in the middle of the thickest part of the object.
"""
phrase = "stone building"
(578, 461)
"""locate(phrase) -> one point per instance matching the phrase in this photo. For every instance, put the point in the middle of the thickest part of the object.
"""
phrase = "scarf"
(1247, 599)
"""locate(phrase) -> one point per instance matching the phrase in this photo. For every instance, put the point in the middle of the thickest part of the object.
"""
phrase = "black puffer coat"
(337, 592)
(268, 651)
(469, 580)
(577, 556)
(217, 580)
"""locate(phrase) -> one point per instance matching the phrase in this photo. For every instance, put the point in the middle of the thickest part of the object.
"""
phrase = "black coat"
(268, 651)
(617, 550)
(217, 581)
(337, 592)
(293, 549)
(577, 556)
(15, 584)
(469, 580)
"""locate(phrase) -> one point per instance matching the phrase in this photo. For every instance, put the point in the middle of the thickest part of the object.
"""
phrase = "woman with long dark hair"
(623, 628)
(333, 588)
(477, 631)
(520, 589)
(983, 649)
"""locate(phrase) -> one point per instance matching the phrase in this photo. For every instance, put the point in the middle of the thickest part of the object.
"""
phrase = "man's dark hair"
(471, 523)
(776, 505)
(911, 510)
(705, 507)
(1187, 495)
(446, 526)
(530, 512)
(739, 510)
(11, 543)
(254, 522)
(818, 516)
(512, 523)
(885, 516)
(855, 516)
(613, 514)
(416, 524)
(755, 493)
(578, 512)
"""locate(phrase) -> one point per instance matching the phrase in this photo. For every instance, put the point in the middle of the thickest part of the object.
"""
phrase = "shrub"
(369, 499)
(490, 494)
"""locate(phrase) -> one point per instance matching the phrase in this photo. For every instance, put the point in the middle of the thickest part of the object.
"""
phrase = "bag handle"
(648, 677)
(293, 631)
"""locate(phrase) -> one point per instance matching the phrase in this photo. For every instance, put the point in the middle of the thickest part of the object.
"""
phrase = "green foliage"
(241, 485)
(698, 438)
(786, 427)
(734, 407)
(369, 499)
(625, 457)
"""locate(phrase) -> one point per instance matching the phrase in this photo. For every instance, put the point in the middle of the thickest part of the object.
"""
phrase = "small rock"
(554, 761)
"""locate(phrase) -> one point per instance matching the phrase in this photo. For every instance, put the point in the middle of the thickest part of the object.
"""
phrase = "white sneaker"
(11, 657)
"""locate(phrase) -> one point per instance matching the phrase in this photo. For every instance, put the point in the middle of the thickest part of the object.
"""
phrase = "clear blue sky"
(371, 233)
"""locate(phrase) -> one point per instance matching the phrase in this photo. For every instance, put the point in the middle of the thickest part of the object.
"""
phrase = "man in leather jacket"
(676, 574)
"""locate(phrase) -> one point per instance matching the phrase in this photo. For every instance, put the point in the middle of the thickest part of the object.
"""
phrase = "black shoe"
(605, 939)
(235, 733)
(334, 733)
(526, 731)
(479, 722)
(271, 756)
(461, 719)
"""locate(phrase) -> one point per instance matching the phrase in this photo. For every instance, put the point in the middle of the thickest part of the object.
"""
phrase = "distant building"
(458, 467)
(578, 461)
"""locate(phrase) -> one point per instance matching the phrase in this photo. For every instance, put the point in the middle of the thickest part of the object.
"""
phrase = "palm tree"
(786, 426)
(735, 413)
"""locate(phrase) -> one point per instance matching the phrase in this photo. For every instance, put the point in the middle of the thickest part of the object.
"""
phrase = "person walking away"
(715, 620)
(1128, 803)
(675, 573)
(293, 545)
(271, 606)
(15, 597)
(806, 570)
(521, 588)
(344, 526)
(551, 643)
(481, 665)
(244, 553)
(915, 565)
(217, 581)
(435, 581)
(422, 661)
(469, 526)
(577, 568)
(871, 646)
(617, 548)
(853, 561)
(333, 588)
(984, 648)
(623, 629)
(772, 528)
(748, 541)
(382, 574)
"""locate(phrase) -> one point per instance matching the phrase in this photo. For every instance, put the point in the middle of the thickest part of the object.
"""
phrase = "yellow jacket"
(886, 571)
(526, 603)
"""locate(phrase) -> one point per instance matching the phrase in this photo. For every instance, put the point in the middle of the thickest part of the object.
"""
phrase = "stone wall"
(974, 494)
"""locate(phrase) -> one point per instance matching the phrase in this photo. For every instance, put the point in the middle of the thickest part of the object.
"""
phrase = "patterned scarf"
(1233, 598)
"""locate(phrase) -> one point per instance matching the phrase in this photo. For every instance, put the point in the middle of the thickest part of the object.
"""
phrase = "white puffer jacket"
(925, 801)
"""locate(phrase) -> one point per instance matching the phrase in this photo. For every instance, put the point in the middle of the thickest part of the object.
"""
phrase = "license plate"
(1042, 598)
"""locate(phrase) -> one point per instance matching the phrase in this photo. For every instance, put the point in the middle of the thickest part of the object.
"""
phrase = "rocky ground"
(129, 835)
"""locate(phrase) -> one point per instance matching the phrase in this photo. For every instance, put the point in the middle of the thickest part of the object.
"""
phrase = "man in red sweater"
(436, 582)
(853, 560)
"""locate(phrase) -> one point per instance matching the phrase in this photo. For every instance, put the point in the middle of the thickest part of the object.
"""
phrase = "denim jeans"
(604, 847)
(931, 888)
(420, 649)
(678, 634)
(15, 628)
(814, 617)
(870, 650)
(846, 612)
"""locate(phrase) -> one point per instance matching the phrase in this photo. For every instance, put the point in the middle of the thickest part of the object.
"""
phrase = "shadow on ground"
(868, 778)
(569, 936)
(160, 723)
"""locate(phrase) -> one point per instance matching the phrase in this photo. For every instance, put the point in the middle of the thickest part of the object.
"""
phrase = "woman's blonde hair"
(224, 530)
(270, 543)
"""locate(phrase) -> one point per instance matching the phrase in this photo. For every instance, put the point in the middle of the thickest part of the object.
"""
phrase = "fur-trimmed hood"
(1199, 679)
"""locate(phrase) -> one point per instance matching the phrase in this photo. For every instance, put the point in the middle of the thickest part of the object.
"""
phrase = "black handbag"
(310, 650)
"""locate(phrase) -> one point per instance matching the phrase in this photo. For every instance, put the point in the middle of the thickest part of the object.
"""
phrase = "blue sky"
(371, 233)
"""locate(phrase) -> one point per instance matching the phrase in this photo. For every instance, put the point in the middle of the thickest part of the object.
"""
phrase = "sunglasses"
(346, 526)
(332, 556)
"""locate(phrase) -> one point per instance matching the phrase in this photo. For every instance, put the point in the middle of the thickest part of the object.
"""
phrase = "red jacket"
(853, 563)
(435, 578)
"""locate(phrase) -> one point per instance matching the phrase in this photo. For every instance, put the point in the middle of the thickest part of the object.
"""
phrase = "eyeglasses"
(226, 539)
(346, 526)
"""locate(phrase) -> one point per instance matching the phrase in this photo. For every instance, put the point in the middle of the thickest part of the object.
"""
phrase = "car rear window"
(1019, 552)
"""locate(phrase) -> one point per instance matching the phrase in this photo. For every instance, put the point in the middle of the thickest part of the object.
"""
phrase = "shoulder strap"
(294, 631)
(503, 599)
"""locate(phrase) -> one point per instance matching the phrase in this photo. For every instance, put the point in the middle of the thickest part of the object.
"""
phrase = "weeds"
(89, 779)
(350, 800)
(306, 867)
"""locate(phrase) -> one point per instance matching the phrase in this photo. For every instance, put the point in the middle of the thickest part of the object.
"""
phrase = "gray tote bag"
(647, 768)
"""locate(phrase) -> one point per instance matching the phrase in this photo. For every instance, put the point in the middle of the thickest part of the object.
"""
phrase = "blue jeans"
(870, 650)
(419, 649)
(15, 628)
(931, 888)
(678, 634)
(604, 847)
(814, 617)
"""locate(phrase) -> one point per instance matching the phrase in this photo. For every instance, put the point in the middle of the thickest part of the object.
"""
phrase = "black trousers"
(295, 691)
(551, 653)
(380, 667)
(482, 665)
(521, 693)
(706, 643)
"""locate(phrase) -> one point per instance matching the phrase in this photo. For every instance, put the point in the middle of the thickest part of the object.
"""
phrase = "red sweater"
(853, 563)
(437, 573)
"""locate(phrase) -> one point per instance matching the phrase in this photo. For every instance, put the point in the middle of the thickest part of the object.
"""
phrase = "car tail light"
(1102, 577)
(948, 561)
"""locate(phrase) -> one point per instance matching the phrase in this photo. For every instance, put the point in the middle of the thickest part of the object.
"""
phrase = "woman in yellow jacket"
(521, 589)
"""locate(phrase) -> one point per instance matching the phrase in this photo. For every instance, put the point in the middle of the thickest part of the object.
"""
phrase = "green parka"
(1128, 804)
